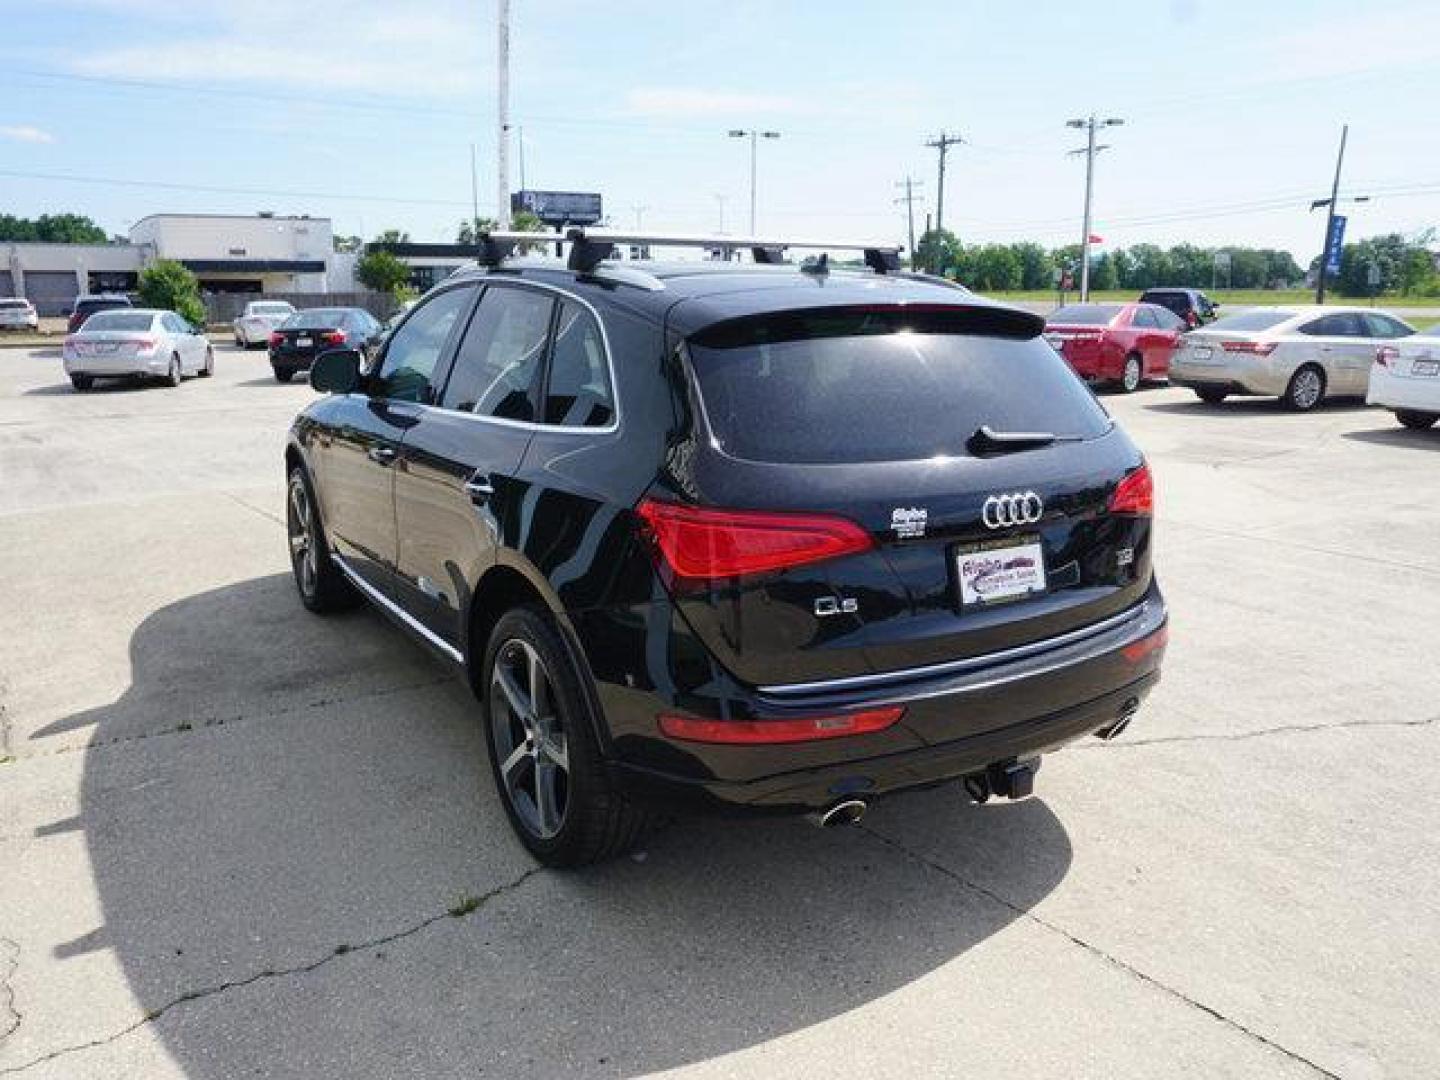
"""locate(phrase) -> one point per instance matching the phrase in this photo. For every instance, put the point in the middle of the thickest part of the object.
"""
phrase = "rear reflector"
(705, 543)
(1135, 494)
(803, 729)
(1138, 650)
(1254, 348)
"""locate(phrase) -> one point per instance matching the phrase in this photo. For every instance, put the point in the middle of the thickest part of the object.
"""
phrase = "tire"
(559, 798)
(240, 342)
(322, 587)
(1416, 421)
(209, 368)
(175, 376)
(82, 382)
(283, 374)
(1132, 375)
(1306, 389)
(1210, 395)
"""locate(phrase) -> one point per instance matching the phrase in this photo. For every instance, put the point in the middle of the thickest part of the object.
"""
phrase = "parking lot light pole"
(1090, 124)
(502, 99)
(755, 137)
(1330, 217)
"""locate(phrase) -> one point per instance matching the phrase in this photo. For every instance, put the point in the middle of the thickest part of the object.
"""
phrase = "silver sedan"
(1300, 355)
(136, 343)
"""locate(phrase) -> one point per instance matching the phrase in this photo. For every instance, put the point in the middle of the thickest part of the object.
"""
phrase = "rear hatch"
(870, 416)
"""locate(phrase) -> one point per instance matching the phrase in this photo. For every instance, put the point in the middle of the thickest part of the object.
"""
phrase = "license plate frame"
(1201, 352)
(1425, 368)
(1003, 570)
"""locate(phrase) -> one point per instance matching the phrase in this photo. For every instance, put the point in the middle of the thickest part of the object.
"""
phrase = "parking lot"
(240, 840)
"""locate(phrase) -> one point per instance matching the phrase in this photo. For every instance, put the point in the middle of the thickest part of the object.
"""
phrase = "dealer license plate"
(998, 571)
(304, 342)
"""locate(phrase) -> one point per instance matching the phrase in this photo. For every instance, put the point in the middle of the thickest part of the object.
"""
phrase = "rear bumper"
(1009, 710)
(117, 366)
(291, 361)
(1420, 394)
(1252, 375)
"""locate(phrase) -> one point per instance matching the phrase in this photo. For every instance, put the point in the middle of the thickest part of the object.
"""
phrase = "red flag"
(1096, 239)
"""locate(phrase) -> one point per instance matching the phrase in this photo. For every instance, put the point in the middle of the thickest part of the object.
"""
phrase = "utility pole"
(1089, 124)
(754, 136)
(638, 211)
(502, 97)
(721, 200)
(909, 199)
(1330, 218)
(942, 144)
(474, 192)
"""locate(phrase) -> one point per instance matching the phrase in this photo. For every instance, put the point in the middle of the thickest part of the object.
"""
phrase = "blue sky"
(365, 111)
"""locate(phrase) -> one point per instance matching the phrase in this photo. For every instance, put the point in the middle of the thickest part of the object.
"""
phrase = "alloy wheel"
(300, 526)
(1130, 380)
(528, 738)
(1307, 389)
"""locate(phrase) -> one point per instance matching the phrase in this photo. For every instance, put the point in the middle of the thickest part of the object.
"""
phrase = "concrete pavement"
(243, 840)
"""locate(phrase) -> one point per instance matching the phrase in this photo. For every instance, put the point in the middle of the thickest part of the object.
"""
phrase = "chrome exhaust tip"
(845, 812)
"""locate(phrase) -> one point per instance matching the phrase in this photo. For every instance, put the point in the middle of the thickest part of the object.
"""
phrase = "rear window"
(1085, 314)
(1252, 320)
(271, 309)
(839, 388)
(100, 305)
(315, 319)
(14, 305)
(120, 320)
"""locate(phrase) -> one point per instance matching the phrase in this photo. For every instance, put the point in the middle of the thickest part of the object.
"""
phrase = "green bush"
(383, 272)
(167, 284)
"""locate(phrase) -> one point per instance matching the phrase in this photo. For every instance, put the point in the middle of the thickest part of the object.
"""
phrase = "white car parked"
(18, 315)
(136, 342)
(253, 327)
(1405, 379)
(1300, 355)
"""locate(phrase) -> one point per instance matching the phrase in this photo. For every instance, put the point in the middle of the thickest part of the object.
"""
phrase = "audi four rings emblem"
(1017, 508)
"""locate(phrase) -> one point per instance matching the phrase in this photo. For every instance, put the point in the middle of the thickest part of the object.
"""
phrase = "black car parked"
(1192, 305)
(737, 537)
(306, 334)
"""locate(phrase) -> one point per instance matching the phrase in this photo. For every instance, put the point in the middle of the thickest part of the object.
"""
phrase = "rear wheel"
(240, 342)
(1416, 421)
(283, 374)
(1132, 375)
(82, 382)
(1210, 395)
(547, 767)
(323, 588)
(174, 376)
(1306, 389)
(209, 368)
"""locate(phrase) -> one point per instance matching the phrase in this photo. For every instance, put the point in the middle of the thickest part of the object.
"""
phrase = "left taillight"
(145, 344)
(705, 543)
(1135, 495)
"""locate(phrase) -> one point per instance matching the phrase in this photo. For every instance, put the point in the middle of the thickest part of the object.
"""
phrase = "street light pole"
(755, 136)
(502, 97)
(1330, 218)
(1090, 124)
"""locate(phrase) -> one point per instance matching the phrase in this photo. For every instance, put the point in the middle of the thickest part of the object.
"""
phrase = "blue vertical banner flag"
(1337, 242)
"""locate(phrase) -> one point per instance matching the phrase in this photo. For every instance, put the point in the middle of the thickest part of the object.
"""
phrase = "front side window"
(578, 393)
(498, 362)
(415, 348)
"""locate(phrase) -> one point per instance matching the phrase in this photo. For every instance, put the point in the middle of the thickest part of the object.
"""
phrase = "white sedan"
(136, 343)
(258, 320)
(1300, 355)
(1405, 379)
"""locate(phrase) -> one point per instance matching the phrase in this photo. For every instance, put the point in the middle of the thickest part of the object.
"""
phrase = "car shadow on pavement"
(104, 386)
(292, 831)
(1400, 437)
(1238, 408)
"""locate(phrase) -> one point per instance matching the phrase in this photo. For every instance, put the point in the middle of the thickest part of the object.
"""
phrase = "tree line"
(52, 229)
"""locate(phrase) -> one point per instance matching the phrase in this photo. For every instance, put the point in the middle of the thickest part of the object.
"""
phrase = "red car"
(1124, 344)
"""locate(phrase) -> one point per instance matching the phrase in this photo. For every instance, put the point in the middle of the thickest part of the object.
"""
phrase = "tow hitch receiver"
(1008, 779)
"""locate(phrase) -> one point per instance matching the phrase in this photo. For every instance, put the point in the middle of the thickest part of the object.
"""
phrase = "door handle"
(381, 455)
(478, 488)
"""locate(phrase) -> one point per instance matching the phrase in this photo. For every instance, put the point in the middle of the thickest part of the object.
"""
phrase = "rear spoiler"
(980, 318)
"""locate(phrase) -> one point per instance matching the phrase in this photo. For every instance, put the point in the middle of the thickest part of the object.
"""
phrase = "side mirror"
(336, 371)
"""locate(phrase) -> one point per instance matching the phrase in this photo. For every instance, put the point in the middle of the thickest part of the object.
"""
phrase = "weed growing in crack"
(464, 906)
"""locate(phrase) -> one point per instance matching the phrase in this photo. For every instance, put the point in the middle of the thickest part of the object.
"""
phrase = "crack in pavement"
(1101, 954)
(203, 723)
(1241, 736)
(344, 949)
(252, 507)
(9, 964)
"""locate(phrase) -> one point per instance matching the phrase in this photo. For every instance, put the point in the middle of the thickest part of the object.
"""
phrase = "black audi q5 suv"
(734, 536)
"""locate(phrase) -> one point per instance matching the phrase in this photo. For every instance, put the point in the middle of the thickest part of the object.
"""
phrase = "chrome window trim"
(396, 610)
(969, 663)
(489, 281)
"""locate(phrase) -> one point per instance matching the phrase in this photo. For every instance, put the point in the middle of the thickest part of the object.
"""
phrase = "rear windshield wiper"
(987, 440)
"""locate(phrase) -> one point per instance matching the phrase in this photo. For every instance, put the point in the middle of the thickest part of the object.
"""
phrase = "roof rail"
(590, 247)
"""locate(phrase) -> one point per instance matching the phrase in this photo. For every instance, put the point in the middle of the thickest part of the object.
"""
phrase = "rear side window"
(865, 389)
(1144, 317)
(1383, 326)
(498, 362)
(1252, 320)
(578, 393)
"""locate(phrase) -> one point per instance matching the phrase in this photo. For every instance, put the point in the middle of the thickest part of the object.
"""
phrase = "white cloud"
(686, 101)
(26, 133)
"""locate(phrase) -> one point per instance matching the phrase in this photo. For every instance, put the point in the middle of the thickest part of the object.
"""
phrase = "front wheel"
(82, 382)
(546, 764)
(174, 376)
(1416, 421)
(1305, 390)
(209, 368)
(1210, 395)
(1131, 376)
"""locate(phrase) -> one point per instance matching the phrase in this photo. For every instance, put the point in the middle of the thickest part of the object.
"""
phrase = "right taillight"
(1385, 355)
(704, 543)
(1254, 348)
(1135, 495)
